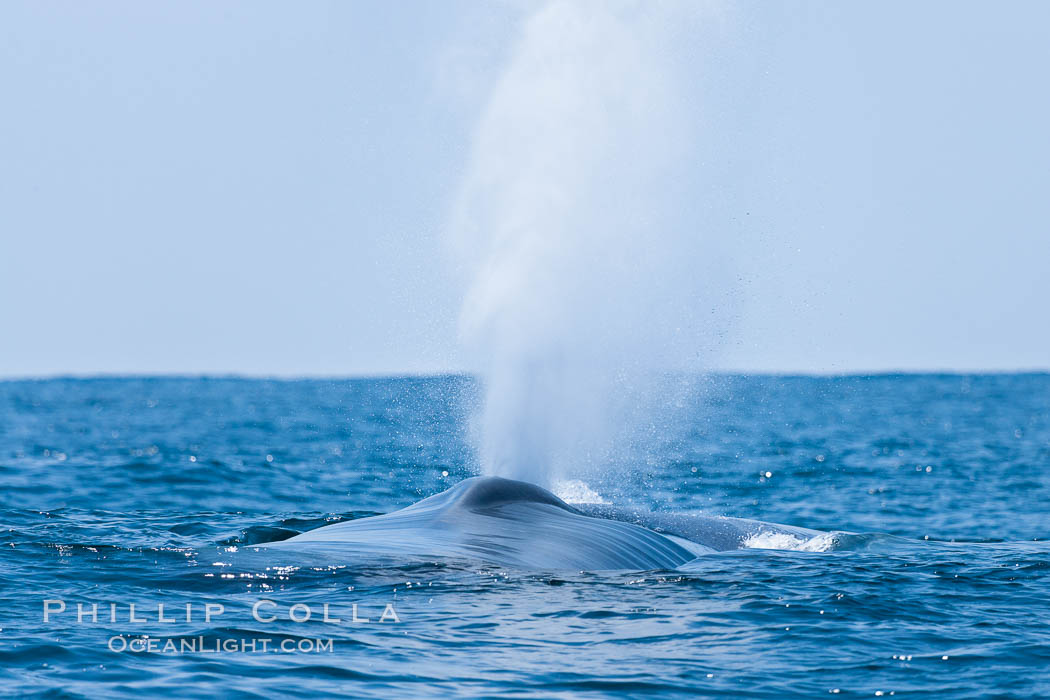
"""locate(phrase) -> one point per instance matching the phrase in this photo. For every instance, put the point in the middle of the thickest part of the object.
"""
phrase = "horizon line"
(296, 377)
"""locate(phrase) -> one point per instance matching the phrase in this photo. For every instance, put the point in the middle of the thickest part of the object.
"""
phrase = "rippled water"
(147, 491)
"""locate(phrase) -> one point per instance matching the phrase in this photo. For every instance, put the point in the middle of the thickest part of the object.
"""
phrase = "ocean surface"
(151, 491)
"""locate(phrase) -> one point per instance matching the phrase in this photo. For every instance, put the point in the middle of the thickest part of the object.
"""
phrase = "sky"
(265, 189)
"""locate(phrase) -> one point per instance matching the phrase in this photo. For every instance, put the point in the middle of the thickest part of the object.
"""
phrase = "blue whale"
(517, 524)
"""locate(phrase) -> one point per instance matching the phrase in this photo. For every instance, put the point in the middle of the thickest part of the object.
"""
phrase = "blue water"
(147, 491)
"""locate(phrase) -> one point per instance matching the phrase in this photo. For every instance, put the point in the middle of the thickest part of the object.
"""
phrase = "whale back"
(501, 521)
(718, 532)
